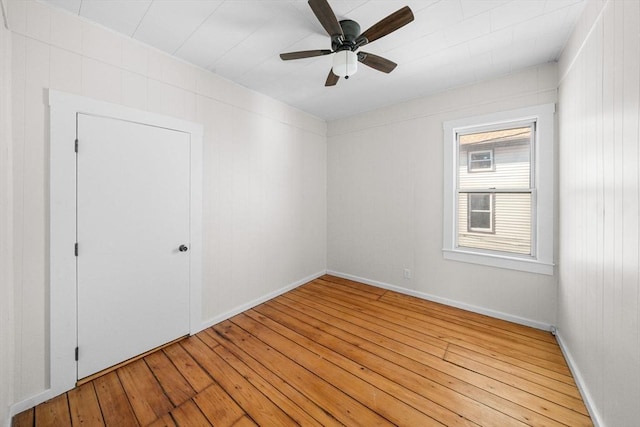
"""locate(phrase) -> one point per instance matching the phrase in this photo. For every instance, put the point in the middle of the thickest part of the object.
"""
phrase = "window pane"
(511, 222)
(480, 220)
(484, 164)
(496, 159)
(482, 155)
(480, 201)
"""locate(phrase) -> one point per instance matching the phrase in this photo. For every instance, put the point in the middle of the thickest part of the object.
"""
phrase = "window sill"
(500, 261)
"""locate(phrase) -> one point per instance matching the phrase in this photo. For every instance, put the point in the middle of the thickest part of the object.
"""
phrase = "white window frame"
(478, 169)
(541, 259)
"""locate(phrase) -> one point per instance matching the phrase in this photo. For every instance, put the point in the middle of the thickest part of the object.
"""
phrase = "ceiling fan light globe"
(345, 63)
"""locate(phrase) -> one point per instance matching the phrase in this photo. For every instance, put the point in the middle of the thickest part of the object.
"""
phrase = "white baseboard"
(480, 310)
(30, 402)
(244, 307)
(48, 394)
(582, 386)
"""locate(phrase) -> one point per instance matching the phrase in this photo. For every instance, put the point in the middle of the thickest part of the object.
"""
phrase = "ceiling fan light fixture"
(345, 63)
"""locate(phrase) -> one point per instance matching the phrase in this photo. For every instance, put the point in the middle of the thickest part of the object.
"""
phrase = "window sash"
(510, 234)
(531, 123)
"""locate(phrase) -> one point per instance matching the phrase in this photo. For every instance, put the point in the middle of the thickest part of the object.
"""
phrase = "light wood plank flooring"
(336, 352)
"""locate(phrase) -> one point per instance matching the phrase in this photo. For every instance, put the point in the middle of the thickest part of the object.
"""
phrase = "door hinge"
(76, 354)
(76, 145)
(75, 251)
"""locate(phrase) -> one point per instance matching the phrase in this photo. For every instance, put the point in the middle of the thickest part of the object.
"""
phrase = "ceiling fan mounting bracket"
(337, 40)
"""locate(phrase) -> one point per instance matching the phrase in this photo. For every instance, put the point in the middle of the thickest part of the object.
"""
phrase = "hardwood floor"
(336, 352)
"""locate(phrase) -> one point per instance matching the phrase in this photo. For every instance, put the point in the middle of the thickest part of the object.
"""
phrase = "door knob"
(183, 248)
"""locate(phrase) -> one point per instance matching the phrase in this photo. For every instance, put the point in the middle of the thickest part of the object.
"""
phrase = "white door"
(132, 219)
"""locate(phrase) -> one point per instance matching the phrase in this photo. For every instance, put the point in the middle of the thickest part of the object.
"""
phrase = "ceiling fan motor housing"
(351, 31)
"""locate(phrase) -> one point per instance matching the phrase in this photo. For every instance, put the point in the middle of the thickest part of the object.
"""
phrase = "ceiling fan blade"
(397, 19)
(332, 79)
(304, 54)
(327, 18)
(376, 62)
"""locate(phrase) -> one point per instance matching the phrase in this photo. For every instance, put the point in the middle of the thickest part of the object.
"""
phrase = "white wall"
(385, 184)
(264, 168)
(6, 211)
(599, 291)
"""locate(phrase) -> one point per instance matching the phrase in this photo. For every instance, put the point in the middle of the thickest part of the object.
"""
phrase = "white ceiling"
(450, 43)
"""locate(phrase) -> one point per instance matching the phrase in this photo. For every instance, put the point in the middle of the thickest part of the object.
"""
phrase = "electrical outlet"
(407, 273)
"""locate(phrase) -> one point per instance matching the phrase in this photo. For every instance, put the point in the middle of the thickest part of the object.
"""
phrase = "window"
(480, 161)
(480, 212)
(499, 190)
(502, 195)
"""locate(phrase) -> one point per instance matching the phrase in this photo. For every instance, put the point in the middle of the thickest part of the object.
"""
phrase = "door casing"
(63, 110)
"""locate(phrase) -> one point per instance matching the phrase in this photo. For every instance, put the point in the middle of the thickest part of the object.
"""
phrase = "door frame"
(63, 110)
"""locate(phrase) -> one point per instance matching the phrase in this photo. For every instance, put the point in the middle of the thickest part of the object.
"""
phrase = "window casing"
(498, 194)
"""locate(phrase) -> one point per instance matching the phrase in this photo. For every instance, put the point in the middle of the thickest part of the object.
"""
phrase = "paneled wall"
(599, 291)
(385, 184)
(264, 168)
(6, 233)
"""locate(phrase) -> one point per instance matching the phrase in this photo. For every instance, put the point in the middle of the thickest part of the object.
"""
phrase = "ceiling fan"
(346, 39)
